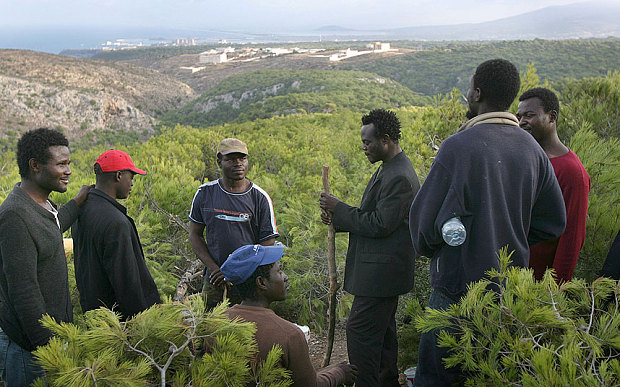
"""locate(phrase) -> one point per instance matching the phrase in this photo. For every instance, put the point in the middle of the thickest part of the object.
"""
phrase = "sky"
(268, 16)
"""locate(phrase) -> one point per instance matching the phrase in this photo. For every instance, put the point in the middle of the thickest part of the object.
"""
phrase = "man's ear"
(553, 116)
(34, 165)
(260, 282)
(477, 94)
(117, 175)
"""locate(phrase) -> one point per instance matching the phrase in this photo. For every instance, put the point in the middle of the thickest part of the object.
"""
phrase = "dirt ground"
(318, 344)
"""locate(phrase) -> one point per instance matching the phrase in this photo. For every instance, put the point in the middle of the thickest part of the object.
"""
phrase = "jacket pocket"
(376, 258)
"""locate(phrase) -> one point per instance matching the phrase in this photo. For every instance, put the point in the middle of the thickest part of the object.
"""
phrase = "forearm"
(567, 252)
(29, 306)
(390, 211)
(199, 246)
(269, 242)
(67, 214)
(331, 376)
(429, 208)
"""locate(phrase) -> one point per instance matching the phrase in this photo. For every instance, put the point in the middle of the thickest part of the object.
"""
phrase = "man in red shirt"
(538, 114)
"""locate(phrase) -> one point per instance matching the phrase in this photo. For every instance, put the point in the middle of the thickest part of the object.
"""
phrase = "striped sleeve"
(267, 219)
(194, 213)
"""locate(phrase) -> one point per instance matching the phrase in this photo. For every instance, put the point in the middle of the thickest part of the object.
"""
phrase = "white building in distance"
(212, 57)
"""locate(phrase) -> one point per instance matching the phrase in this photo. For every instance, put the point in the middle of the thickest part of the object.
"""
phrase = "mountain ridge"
(579, 20)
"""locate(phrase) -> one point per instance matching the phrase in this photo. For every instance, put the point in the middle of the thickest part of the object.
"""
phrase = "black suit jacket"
(380, 257)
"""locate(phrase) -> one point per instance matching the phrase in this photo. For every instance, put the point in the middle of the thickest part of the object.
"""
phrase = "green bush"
(532, 333)
(268, 93)
(159, 346)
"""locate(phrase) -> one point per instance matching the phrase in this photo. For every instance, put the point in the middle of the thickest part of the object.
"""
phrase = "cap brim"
(138, 171)
(272, 254)
(227, 152)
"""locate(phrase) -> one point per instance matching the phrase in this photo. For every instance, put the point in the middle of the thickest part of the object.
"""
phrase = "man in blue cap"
(255, 271)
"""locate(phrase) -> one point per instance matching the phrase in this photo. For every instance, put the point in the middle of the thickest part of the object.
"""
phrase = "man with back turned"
(499, 182)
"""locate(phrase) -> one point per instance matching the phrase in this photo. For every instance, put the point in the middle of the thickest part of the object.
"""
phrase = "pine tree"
(160, 346)
(532, 333)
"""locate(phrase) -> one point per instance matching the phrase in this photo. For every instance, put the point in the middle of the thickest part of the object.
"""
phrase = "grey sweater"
(33, 268)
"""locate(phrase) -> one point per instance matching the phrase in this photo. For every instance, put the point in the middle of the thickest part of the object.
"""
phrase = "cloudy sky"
(260, 15)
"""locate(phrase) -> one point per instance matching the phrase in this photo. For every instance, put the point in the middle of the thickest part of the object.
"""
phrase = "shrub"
(532, 333)
(159, 346)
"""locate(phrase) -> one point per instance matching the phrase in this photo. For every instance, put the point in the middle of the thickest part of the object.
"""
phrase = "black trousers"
(371, 341)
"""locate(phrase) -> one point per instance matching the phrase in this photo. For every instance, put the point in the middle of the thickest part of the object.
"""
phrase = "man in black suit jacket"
(380, 258)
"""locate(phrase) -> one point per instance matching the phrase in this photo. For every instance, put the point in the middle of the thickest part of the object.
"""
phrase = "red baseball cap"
(116, 160)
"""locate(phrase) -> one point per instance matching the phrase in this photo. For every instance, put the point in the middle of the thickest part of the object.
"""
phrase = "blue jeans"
(431, 370)
(18, 367)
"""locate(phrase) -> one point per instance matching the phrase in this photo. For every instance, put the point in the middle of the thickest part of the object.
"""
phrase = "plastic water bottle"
(453, 232)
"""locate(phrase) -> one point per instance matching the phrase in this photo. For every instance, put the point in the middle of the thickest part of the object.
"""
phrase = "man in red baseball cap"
(110, 269)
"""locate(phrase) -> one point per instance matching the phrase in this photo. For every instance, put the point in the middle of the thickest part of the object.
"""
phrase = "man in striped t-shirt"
(226, 214)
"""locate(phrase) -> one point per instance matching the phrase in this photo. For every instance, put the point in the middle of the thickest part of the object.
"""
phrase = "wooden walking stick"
(333, 280)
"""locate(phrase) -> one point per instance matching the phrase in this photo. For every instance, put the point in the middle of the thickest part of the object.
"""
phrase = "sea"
(55, 39)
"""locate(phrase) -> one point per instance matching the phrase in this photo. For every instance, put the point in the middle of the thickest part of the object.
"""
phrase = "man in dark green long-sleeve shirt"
(33, 267)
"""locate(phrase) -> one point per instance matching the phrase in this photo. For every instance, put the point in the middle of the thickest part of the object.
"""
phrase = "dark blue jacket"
(501, 184)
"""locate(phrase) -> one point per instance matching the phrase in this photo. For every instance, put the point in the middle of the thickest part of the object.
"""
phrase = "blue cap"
(242, 263)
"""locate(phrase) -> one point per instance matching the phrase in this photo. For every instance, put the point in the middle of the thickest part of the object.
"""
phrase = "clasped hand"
(328, 205)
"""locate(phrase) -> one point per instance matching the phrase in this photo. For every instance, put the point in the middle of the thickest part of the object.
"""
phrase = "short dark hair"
(547, 97)
(499, 81)
(35, 144)
(385, 122)
(247, 289)
(103, 177)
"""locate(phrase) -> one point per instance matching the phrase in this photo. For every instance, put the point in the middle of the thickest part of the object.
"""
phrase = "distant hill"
(268, 93)
(592, 19)
(82, 96)
(334, 28)
(438, 70)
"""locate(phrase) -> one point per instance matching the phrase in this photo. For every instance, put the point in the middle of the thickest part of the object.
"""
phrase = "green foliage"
(105, 137)
(532, 333)
(268, 93)
(286, 156)
(601, 158)
(446, 66)
(593, 102)
(158, 346)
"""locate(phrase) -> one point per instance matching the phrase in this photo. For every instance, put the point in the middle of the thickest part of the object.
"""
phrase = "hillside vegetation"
(435, 71)
(82, 96)
(267, 93)
(102, 101)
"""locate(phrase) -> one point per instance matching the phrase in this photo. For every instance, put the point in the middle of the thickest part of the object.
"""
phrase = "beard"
(470, 114)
